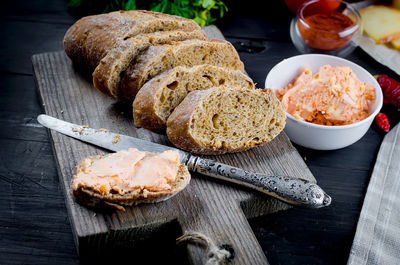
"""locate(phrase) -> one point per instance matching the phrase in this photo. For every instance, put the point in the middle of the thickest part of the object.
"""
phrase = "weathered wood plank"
(206, 206)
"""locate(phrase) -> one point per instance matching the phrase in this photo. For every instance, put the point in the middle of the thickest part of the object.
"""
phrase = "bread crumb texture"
(158, 97)
(225, 119)
(159, 58)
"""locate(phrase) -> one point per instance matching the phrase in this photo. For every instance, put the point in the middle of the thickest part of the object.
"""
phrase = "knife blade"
(105, 139)
(292, 190)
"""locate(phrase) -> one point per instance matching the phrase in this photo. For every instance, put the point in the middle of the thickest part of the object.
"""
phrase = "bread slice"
(90, 197)
(225, 119)
(159, 58)
(90, 38)
(107, 75)
(159, 96)
(381, 23)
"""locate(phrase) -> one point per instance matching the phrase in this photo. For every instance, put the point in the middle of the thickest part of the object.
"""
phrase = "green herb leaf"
(204, 12)
(129, 5)
(208, 3)
(74, 3)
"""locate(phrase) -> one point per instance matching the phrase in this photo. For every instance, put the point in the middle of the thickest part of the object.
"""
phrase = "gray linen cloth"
(377, 239)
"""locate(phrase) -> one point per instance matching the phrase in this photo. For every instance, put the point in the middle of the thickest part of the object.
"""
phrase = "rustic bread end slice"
(159, 96)
(90, 38)
(92, 198)
(107, 75)
(159, 58)
(225, 120)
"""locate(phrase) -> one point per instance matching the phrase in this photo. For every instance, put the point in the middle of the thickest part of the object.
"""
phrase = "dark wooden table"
(34, 226)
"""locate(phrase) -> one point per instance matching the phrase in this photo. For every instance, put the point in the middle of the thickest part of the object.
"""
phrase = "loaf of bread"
(225, 119)
(91, 38)
(107, 75)
(195, 88)
(159, 96)
(88, 196)
(159, 58)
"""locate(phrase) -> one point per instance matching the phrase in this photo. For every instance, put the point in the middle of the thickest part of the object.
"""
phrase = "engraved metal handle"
(288, 189)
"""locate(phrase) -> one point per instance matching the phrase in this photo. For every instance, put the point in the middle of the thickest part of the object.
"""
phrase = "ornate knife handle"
(288, 189)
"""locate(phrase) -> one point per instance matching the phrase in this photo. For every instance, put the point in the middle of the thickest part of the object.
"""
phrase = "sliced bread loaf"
(98, 196)
(90, 38)
(225, 119)
(107, 75)
(159, 58)
(159, 96)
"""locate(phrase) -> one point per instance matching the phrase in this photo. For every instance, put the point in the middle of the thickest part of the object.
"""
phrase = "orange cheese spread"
(333, 96)
(127, 171)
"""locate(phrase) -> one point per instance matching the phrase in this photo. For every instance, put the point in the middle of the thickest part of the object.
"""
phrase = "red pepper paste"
(322, 31)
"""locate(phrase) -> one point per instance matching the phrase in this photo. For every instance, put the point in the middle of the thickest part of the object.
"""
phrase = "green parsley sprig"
(204, 12)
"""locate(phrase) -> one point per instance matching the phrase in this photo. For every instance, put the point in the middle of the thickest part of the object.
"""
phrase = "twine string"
(216, 255)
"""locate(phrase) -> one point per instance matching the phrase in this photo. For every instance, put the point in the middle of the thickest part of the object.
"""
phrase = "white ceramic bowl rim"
(378, 92)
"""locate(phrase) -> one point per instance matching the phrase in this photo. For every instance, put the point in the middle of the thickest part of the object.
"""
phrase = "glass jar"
(326, 26)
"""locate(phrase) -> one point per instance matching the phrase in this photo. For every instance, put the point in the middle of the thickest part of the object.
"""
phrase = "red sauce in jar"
(325, 31)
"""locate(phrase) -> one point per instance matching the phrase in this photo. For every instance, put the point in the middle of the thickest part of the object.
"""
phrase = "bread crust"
(178, 124)
(180, 121)
(160, 58)
(90, 38)
(91, 198)
(145, 105)
(107, 75)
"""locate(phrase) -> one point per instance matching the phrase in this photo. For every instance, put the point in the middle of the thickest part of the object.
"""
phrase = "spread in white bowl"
(332, 96)
(343, 104)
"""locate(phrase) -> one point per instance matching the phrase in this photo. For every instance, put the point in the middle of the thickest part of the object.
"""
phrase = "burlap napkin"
(382, 53)
(377, 239)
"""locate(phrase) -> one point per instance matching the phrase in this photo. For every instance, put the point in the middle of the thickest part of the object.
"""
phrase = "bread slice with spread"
(128, 178)
(225, 119)
(159, 58)
(159, 96)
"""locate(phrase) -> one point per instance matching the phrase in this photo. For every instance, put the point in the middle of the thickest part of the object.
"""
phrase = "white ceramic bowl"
(315, 136)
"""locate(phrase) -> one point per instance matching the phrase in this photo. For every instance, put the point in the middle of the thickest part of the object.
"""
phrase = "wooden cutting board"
(217, 209)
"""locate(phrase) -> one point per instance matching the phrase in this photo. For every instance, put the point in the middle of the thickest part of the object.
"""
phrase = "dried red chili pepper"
(383, 122)
(390, 90)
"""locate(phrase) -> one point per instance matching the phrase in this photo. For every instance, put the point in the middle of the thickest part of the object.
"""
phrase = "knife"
(292, 190)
